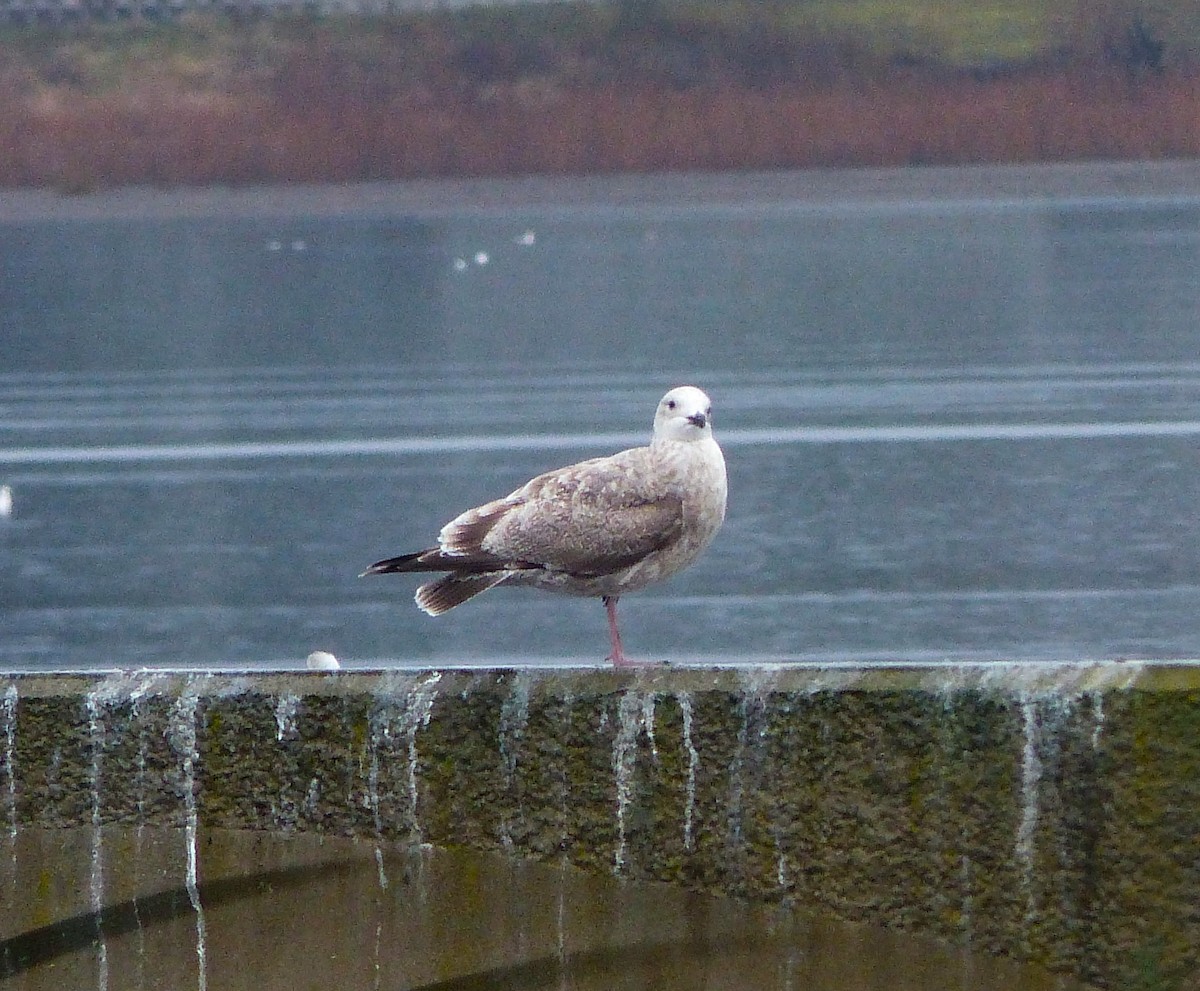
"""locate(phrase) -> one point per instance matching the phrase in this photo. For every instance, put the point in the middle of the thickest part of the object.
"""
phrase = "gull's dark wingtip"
(391, 565)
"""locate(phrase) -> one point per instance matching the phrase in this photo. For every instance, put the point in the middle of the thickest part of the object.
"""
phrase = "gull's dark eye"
(670, 404)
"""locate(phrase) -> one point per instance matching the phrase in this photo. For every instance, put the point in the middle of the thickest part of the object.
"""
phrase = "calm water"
(955, 429)
(295, 910)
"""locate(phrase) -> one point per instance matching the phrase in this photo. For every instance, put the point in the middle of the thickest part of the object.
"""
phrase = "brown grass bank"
(313, 105)
(87, 141)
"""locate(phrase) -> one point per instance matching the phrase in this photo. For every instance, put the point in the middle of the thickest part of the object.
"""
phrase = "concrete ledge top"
(1073, 678)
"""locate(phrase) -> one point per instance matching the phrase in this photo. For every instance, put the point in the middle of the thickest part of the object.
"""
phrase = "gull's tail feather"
(469, 576)
(438, 596)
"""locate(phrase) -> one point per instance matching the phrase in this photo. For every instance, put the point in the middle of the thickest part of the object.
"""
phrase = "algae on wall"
(1051, 817)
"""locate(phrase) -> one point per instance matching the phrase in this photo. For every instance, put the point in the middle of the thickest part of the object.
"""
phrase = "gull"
(602, 527)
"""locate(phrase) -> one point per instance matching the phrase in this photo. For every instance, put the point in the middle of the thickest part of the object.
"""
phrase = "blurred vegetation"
(676, 42)
(557, 86)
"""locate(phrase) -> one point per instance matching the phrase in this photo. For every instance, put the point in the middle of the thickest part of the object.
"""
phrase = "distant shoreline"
(802, 188)
(652, 87)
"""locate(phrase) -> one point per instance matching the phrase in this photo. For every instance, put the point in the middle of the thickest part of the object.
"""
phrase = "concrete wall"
(1048, 813)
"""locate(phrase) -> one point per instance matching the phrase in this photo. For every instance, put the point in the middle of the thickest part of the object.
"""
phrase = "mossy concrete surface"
(1050, 813)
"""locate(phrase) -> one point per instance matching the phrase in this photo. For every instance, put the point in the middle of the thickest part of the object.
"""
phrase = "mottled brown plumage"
(601, 527)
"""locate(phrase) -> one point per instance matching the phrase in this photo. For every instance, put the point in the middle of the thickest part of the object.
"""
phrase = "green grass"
(971, 34)
(953, 32)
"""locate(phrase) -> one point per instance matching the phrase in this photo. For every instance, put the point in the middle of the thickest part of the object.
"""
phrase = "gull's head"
(684, 413)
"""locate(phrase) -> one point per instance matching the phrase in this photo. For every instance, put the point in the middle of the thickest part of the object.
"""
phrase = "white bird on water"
(601, 527)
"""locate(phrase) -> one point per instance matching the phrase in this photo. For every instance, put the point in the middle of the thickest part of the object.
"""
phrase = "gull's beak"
(698, 420)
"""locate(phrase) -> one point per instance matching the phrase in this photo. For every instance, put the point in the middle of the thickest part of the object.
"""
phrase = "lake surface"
(957, 427)
(286, 910)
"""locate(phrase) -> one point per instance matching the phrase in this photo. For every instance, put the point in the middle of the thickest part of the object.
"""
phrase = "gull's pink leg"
(618, 655)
